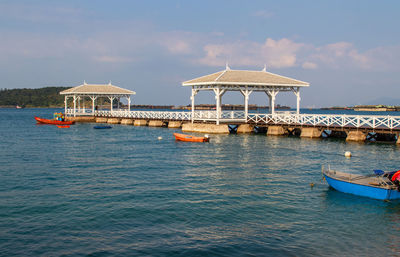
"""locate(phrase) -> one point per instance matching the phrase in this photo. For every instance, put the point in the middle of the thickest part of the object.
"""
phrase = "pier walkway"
(326, 121)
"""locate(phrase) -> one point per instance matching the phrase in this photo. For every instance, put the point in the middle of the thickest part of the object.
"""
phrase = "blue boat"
(102, 127)
(376, 186)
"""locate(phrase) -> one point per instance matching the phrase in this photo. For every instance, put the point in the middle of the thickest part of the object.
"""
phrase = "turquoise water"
(122, 192)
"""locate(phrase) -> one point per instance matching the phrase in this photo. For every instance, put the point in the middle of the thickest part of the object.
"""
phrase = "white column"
(111, 100)
(271, 94)
(129, 103)
(79, 103)
(218, 103)
(246, 94)
(218, 95)
(74, 105)
(93, 103)
(194, 93)
(273, 103)
(65, 104)
(297, 93)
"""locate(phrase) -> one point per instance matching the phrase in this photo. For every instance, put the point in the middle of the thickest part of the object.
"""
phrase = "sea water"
(123, 192)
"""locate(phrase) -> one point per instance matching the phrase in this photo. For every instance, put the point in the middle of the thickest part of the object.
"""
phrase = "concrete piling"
(140, 123)
(205, 128)
(101, 120)
(276, 131)
(127, 121)
(356, 136)
(174, 124)
(311, 132)
(113, 121)
(156, 123)
(245, 128)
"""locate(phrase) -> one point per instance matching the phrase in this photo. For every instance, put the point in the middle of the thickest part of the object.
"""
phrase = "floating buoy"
(311, 184)
(347, 154)
(159, 138)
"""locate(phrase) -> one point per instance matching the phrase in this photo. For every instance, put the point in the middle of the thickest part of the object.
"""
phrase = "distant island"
(49, 97)
(41, 97)
(368, 108)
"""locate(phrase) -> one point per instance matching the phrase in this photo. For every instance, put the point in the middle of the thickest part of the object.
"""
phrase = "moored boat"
(102, 127)
(53, 122)
(189, 138)
(377, 186)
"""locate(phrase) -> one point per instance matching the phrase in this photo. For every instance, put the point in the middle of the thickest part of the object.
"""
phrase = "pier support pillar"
(275, 131)
(310, 132)
(245, 128)
(81, 119)
(398, 139)
(205, 128)
(156, 123)
(101, 120)
(113, 121)
(127, 121)
(174, 124)
(140, 123)
(356, 136)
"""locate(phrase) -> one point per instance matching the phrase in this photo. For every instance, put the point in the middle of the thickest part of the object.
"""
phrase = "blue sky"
(349, 51)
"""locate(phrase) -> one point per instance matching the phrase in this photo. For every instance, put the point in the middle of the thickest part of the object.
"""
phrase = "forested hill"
(40, 97)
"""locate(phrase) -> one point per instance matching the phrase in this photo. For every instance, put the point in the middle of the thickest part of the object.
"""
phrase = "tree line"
(26, 97)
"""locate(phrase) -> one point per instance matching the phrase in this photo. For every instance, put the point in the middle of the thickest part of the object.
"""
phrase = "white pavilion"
(245, 82)
(93, 91)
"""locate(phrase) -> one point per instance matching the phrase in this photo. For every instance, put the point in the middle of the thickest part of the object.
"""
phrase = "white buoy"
(347, 154)
(159, 138)
(206, 136)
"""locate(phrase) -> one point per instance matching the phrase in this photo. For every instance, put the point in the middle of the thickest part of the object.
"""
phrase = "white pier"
(238, 117)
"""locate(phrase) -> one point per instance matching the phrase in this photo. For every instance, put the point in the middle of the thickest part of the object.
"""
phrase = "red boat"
(53, 122)
(189, 138)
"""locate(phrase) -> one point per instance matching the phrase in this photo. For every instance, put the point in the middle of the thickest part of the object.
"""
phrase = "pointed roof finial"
(227, 66)
(84, 82)
(265, 68)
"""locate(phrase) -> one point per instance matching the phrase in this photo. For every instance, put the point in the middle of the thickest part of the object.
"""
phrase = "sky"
(349, 51)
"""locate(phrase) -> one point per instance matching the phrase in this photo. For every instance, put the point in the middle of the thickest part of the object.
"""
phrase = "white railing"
(225, 115)
(157, 115)
(79, 111)
(281, 118)
(354, 121)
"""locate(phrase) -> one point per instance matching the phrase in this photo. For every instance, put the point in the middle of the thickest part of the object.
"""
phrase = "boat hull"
(362, 190)
(189, 138)
(102, 127)
(53, 122)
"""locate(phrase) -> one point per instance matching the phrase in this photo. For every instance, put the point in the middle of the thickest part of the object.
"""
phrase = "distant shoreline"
(368, 108)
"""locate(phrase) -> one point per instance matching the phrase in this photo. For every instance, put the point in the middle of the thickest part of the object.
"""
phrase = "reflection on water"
(81, 191)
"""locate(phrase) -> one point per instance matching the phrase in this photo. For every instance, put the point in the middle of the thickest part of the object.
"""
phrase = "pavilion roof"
(97, 89)
(245, 78)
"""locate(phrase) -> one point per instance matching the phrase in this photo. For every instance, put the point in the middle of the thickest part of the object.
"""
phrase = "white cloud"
(137, 41)
(285, 53)
(177, 42)
(275, 53)
(309, 65)
(339, 55)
